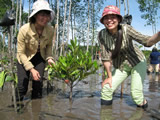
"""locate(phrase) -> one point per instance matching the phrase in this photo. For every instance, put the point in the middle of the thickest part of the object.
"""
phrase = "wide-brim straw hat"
(41, 5)
(111, 9)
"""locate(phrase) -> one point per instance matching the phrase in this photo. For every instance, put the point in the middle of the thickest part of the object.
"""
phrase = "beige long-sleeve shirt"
(28, 41)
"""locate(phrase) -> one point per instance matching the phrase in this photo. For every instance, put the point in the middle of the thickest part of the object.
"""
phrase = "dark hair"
(118, 43)
(33, 20)
(154, 49)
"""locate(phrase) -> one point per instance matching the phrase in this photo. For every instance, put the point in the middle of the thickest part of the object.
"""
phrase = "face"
(42, 18)
(111, 22)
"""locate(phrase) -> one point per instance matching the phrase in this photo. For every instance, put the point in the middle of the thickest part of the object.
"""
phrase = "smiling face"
(111, 22)
(42, 18)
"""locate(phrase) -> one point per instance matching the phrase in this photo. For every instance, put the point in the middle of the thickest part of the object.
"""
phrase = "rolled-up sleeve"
(105, 54)
(137, 36)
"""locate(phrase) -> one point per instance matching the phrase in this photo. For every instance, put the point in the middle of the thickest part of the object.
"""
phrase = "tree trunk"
(20, 13)
(70, 6)
(72, 23)
(56, 53)
(70, 94)
(64, 25)
(29, 4)
(122, 87)
(92, 27)
(12, 45)
(124, 7)
(54, 38)
(15, 28)
(14, 96)
(128, 6)
(88, 27)
(3, 51)
(10, 49)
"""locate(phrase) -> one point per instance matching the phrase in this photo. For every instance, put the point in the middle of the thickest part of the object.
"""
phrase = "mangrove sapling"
(73, 67)
(6, 76)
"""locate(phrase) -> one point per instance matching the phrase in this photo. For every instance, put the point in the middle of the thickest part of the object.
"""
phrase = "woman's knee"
(106, 92)
(137, 96)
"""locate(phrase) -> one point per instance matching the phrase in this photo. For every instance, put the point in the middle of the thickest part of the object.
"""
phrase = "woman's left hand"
(50, 62)
(107, 81)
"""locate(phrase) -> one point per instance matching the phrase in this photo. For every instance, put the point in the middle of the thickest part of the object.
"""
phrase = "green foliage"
(5, 5)
(25, 17)
(147, 54)
(6, 77)
(75, 66)
(4, 60)
(2, 78)
(149, 9)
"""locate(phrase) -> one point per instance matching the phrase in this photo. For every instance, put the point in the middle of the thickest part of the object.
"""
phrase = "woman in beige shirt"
(34, 48)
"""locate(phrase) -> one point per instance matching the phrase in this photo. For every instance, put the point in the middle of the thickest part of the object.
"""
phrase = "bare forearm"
(154, 39)
(108, 66)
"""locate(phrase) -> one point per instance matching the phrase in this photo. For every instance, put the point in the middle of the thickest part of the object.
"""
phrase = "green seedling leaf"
(15, 78)
(2, 78)
(74, 66)
(9, 79)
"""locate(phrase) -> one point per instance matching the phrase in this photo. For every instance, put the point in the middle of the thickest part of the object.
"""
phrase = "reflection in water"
(35, 109)
(137, 115)
(153, 82)
(106, 113)
(154, 77)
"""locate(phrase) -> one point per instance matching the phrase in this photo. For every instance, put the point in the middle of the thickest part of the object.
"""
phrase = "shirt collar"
(112, 35)
(34, 33)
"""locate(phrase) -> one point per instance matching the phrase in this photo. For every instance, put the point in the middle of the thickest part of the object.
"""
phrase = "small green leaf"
(2, 78)
(9, 79)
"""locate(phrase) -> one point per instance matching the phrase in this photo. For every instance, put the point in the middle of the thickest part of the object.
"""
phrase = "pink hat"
(110, 10)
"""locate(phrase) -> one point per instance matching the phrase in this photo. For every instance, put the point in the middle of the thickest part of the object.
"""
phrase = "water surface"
(55, 104)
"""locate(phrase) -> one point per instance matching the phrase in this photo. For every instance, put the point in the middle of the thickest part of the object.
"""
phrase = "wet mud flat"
(55, 104)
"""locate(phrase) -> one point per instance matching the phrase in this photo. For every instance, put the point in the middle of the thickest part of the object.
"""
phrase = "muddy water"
(55, 104)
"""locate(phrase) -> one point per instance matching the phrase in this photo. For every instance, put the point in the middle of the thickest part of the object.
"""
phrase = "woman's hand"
(50, 62)
(108, 67)
(35, 74)
(107, 81)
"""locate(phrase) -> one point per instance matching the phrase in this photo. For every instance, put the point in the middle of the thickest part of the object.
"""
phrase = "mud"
(55, 104)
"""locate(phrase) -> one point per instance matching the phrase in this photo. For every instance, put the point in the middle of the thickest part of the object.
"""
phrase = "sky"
(137, 22)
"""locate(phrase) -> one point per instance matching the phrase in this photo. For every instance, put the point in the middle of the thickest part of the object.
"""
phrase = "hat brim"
(36, 11)
(101, 20)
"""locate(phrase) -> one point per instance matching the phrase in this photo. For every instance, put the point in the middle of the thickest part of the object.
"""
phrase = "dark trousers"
(23, 78)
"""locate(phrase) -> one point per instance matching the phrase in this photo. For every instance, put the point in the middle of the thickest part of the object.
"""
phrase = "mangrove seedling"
(73, 67)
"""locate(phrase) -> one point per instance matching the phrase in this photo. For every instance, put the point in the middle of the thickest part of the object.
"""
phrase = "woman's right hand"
(35, 74)
(107, 81)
